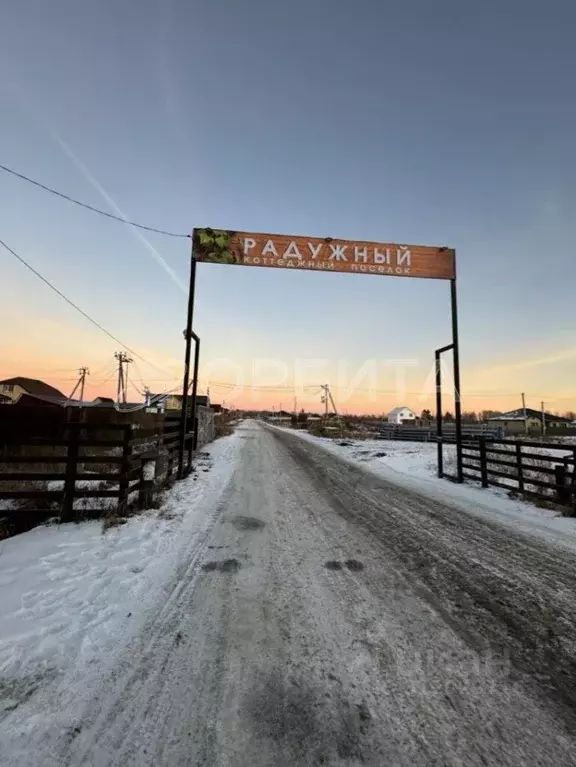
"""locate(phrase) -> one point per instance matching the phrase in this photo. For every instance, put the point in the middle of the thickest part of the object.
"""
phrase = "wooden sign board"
(221, 246)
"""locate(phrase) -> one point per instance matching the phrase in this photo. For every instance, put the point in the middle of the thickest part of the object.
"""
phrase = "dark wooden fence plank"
(47, 495)
(85, 445)
(104, 476)
(33, 459)
(30, 476)
(524, 464)
(17, 439)
(80, 493)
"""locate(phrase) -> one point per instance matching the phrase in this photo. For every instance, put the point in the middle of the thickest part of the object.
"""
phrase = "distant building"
(518, 421)
(13, 388)
(174, 401)
(39, 400)
(401, 415)
(105, 403)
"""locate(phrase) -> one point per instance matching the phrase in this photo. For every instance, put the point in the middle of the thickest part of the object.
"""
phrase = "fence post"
(483, 461)
(145, 489)
(73, 430)
(520, 468)
(190, 450)
(169, 466)
(562, 491)
(439, 440)
(126, 466)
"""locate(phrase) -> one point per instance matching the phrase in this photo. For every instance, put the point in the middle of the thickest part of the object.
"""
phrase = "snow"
(135, 647)
(69, 593)
(92, 503)
(413, 465)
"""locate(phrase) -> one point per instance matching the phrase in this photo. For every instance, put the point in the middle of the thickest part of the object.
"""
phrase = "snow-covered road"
(328, 617)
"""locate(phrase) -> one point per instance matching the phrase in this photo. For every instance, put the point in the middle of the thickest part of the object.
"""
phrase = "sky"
(445, 123)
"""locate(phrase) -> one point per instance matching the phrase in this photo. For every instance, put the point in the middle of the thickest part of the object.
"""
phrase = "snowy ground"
(71, 595)
(413, 465)
(295, 611)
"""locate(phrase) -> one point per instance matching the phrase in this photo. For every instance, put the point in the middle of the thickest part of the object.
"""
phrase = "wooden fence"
(541, 470)
(409, 433)
(85, 470)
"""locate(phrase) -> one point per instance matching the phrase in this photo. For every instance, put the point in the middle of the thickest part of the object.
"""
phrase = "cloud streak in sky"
(27, 105)
(149, 247)
(550, 359)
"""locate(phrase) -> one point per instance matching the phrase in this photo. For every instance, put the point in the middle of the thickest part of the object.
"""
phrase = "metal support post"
(188, 336)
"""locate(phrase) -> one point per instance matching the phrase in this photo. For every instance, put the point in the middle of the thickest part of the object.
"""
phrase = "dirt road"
(329, 618)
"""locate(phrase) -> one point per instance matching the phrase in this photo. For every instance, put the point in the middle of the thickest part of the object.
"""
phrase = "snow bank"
(72, 595)
(413, 465)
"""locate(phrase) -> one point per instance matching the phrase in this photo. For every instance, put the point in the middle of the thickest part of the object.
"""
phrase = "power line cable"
(102, 382)
(90, 207)
(93, 379)
(77, 308)
(229, 385)
(104, 370)
(136, 389)
(153, 401)
(140, 377)
(44, 378)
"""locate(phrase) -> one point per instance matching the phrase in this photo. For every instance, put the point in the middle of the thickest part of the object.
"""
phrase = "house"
(401, 415)
(46, 400)
(174, 401)
(14, 388)
(41, 400)
(103, 402)
(520, 421)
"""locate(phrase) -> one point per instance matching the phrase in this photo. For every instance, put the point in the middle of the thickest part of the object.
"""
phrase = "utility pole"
(543, 419)
(118, 356)
(82, 372)
(332, 401)
(123, 361)
(324, 388)
(327, 399)
(524, 411)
